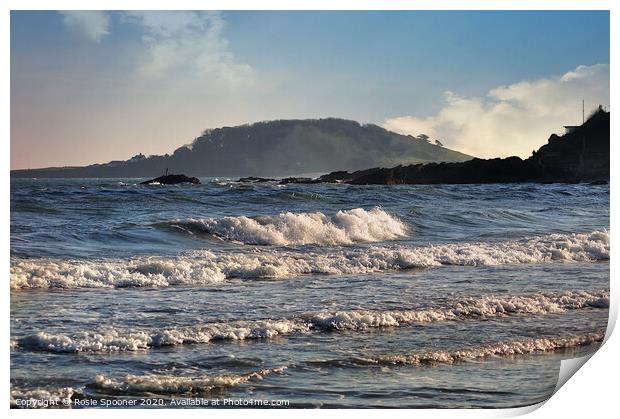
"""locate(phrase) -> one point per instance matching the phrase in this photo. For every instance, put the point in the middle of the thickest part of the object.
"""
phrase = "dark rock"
(337, 177)
(581, 155)
(288, 180)
(172, 180)
(255, 179)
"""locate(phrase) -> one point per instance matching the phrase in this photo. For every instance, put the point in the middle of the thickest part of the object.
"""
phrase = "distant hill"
(579, 155)
(274, 148)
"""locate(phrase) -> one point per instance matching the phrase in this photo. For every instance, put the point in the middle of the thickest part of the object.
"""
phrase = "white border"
(591, 393)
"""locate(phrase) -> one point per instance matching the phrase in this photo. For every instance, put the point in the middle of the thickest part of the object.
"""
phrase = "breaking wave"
(111, 340)
(205, 267)
(344, 228)
(147, 272)
(176, 385)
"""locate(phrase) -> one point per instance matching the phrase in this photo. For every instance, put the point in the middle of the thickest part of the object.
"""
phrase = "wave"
(147, 272)
(112, 340)
(489, 306)
(500, 349)
(161, 384)
(503, 349)
(166, 384)
(206, 267)
(176, 385)
(135, 385)
(286, 229)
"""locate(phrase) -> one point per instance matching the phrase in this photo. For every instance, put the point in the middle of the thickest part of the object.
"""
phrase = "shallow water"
(321, 295)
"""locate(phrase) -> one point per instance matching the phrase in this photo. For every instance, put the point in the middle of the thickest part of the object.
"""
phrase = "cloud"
(514, 119)
(188, 44)
(91, 24)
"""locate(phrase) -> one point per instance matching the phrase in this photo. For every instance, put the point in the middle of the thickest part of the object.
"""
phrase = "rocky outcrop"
(171, 180)
(581, 155)
(255, 179)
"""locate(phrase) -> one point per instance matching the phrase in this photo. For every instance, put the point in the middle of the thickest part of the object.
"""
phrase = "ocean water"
(303, 295)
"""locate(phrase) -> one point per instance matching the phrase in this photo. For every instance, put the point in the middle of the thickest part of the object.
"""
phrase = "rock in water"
(256, 179)
(172, 180)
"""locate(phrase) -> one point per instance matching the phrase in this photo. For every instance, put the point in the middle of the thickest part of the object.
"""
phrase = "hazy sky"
(92, 87)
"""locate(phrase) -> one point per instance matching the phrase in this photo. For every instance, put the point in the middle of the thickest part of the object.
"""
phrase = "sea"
(229, 294)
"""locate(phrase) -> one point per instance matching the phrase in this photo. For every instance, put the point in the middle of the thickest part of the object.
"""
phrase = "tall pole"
(583, 111)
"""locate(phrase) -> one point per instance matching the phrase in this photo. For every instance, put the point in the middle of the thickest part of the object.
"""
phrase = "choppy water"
(321, 295)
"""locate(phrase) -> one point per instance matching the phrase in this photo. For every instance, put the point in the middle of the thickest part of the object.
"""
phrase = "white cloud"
(190, 44)
(515, 119)
(91, 24)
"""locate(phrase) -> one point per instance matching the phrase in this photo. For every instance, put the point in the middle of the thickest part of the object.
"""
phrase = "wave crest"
(287, 229)
(205, 267)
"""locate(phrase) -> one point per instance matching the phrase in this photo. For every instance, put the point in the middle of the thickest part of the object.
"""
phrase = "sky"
(91, 87)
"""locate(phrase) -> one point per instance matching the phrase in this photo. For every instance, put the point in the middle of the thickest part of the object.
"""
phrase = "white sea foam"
(110, 340)
(175, 384)
(204, 267)
(345, 227)
(490, 306)
(145, 272)
(503, 349)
